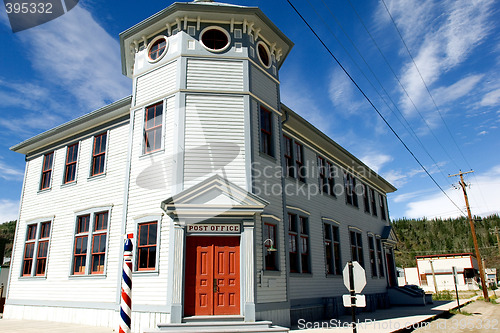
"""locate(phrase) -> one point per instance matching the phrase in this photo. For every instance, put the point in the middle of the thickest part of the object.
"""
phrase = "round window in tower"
(215, 39)
(157, 48)
(264, 54)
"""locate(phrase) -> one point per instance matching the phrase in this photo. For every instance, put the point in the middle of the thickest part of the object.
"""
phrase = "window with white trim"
(71, 163)
(351, 197)
(153, 126)
(298, 243)
(373, 202)
(147, 237)
(266, 131)
(332, 249)
(373, 260)
(99, 154)
(357, 247)
(91, 229)
(36, 249)
(270, 257)
(380, 259)
(383, 214)
(48, 161)
(366, 198)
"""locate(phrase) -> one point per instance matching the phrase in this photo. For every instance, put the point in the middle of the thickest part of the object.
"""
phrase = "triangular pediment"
(214, 196)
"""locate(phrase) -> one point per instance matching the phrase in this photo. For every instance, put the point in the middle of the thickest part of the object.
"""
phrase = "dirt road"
(481, 317)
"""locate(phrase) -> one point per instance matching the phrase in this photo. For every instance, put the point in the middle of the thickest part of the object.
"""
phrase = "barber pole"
(126, 303)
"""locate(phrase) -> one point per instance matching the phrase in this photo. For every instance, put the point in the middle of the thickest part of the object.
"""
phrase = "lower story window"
(146, 246)
(357, 248)
(91, 227)
(298, 244)
(36, 249)
(270, 243)
(332, 249)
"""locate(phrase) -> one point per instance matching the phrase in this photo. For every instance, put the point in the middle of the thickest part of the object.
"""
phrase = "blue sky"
(70, 66)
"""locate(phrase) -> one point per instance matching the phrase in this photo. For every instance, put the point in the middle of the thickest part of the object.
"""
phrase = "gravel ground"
(481, 317)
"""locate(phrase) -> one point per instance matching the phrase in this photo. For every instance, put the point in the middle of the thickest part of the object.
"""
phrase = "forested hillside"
(7, 231)
(438, 236)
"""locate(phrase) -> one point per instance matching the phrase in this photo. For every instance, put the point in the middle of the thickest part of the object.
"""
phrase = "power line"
(371, 103)
(432, 98)
(410, 130)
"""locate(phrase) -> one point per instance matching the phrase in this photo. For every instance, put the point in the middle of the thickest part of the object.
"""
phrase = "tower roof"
(180, 13)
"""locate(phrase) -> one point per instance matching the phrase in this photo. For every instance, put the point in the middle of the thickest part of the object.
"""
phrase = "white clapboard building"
(239, 207)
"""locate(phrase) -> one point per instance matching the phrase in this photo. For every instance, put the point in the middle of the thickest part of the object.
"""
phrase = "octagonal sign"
(359, 277)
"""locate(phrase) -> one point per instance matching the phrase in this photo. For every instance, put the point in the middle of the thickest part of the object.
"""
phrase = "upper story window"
(36, 249)
(351, 196)
(326, 176)
(289, 167)
(366, 198)
(71, 161)
(48, 160)
(383, 214)
(266, 131)
(373, 202)
(332, 249)
(299, 162)
(264, 54)
(99, 154)
(270, 238)
(91, 228)
(357, 247)
(157, 48)
(215, 39)
(153, 120)
(146, 246)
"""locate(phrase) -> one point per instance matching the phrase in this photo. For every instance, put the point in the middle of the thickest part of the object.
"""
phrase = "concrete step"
(216, 326)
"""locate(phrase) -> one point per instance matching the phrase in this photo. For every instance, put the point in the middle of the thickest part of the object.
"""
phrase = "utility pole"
(473, 231)
(434, 277)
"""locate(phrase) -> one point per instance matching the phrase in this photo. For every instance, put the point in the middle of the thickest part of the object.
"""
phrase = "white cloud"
(376, 160)
(8, 173)
(491, 99)
(438, 45)
(9, 210)
(457, 90)
(484, 196)
(482, 133)
(341, 92)
(303, 103)
(76, 54)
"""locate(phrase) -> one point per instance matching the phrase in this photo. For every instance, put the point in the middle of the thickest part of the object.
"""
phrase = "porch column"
(177, 275)
(249, 270)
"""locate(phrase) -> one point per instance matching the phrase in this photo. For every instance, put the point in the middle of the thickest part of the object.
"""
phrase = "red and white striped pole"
(126, 303)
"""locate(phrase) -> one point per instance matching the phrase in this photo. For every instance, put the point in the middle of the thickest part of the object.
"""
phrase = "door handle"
(215, 285)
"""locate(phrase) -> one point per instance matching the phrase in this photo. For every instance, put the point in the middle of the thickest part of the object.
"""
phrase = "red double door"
(212, 285)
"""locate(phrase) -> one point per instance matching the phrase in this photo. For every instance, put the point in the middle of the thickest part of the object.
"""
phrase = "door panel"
(212, 280)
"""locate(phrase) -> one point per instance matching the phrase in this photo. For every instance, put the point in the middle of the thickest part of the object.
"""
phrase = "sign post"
(354, 280)
(455, 280)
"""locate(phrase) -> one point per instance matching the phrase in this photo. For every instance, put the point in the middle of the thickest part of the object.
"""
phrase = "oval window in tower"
(157, 48)
(215, 39)
(264, 54)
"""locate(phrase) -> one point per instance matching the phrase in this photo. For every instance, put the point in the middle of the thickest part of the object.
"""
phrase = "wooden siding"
(156, 84)
(62, 202)
(214, 139)
(214, 75)
(320, 205)
(272, 288)
(264, 87)
(151, 183)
